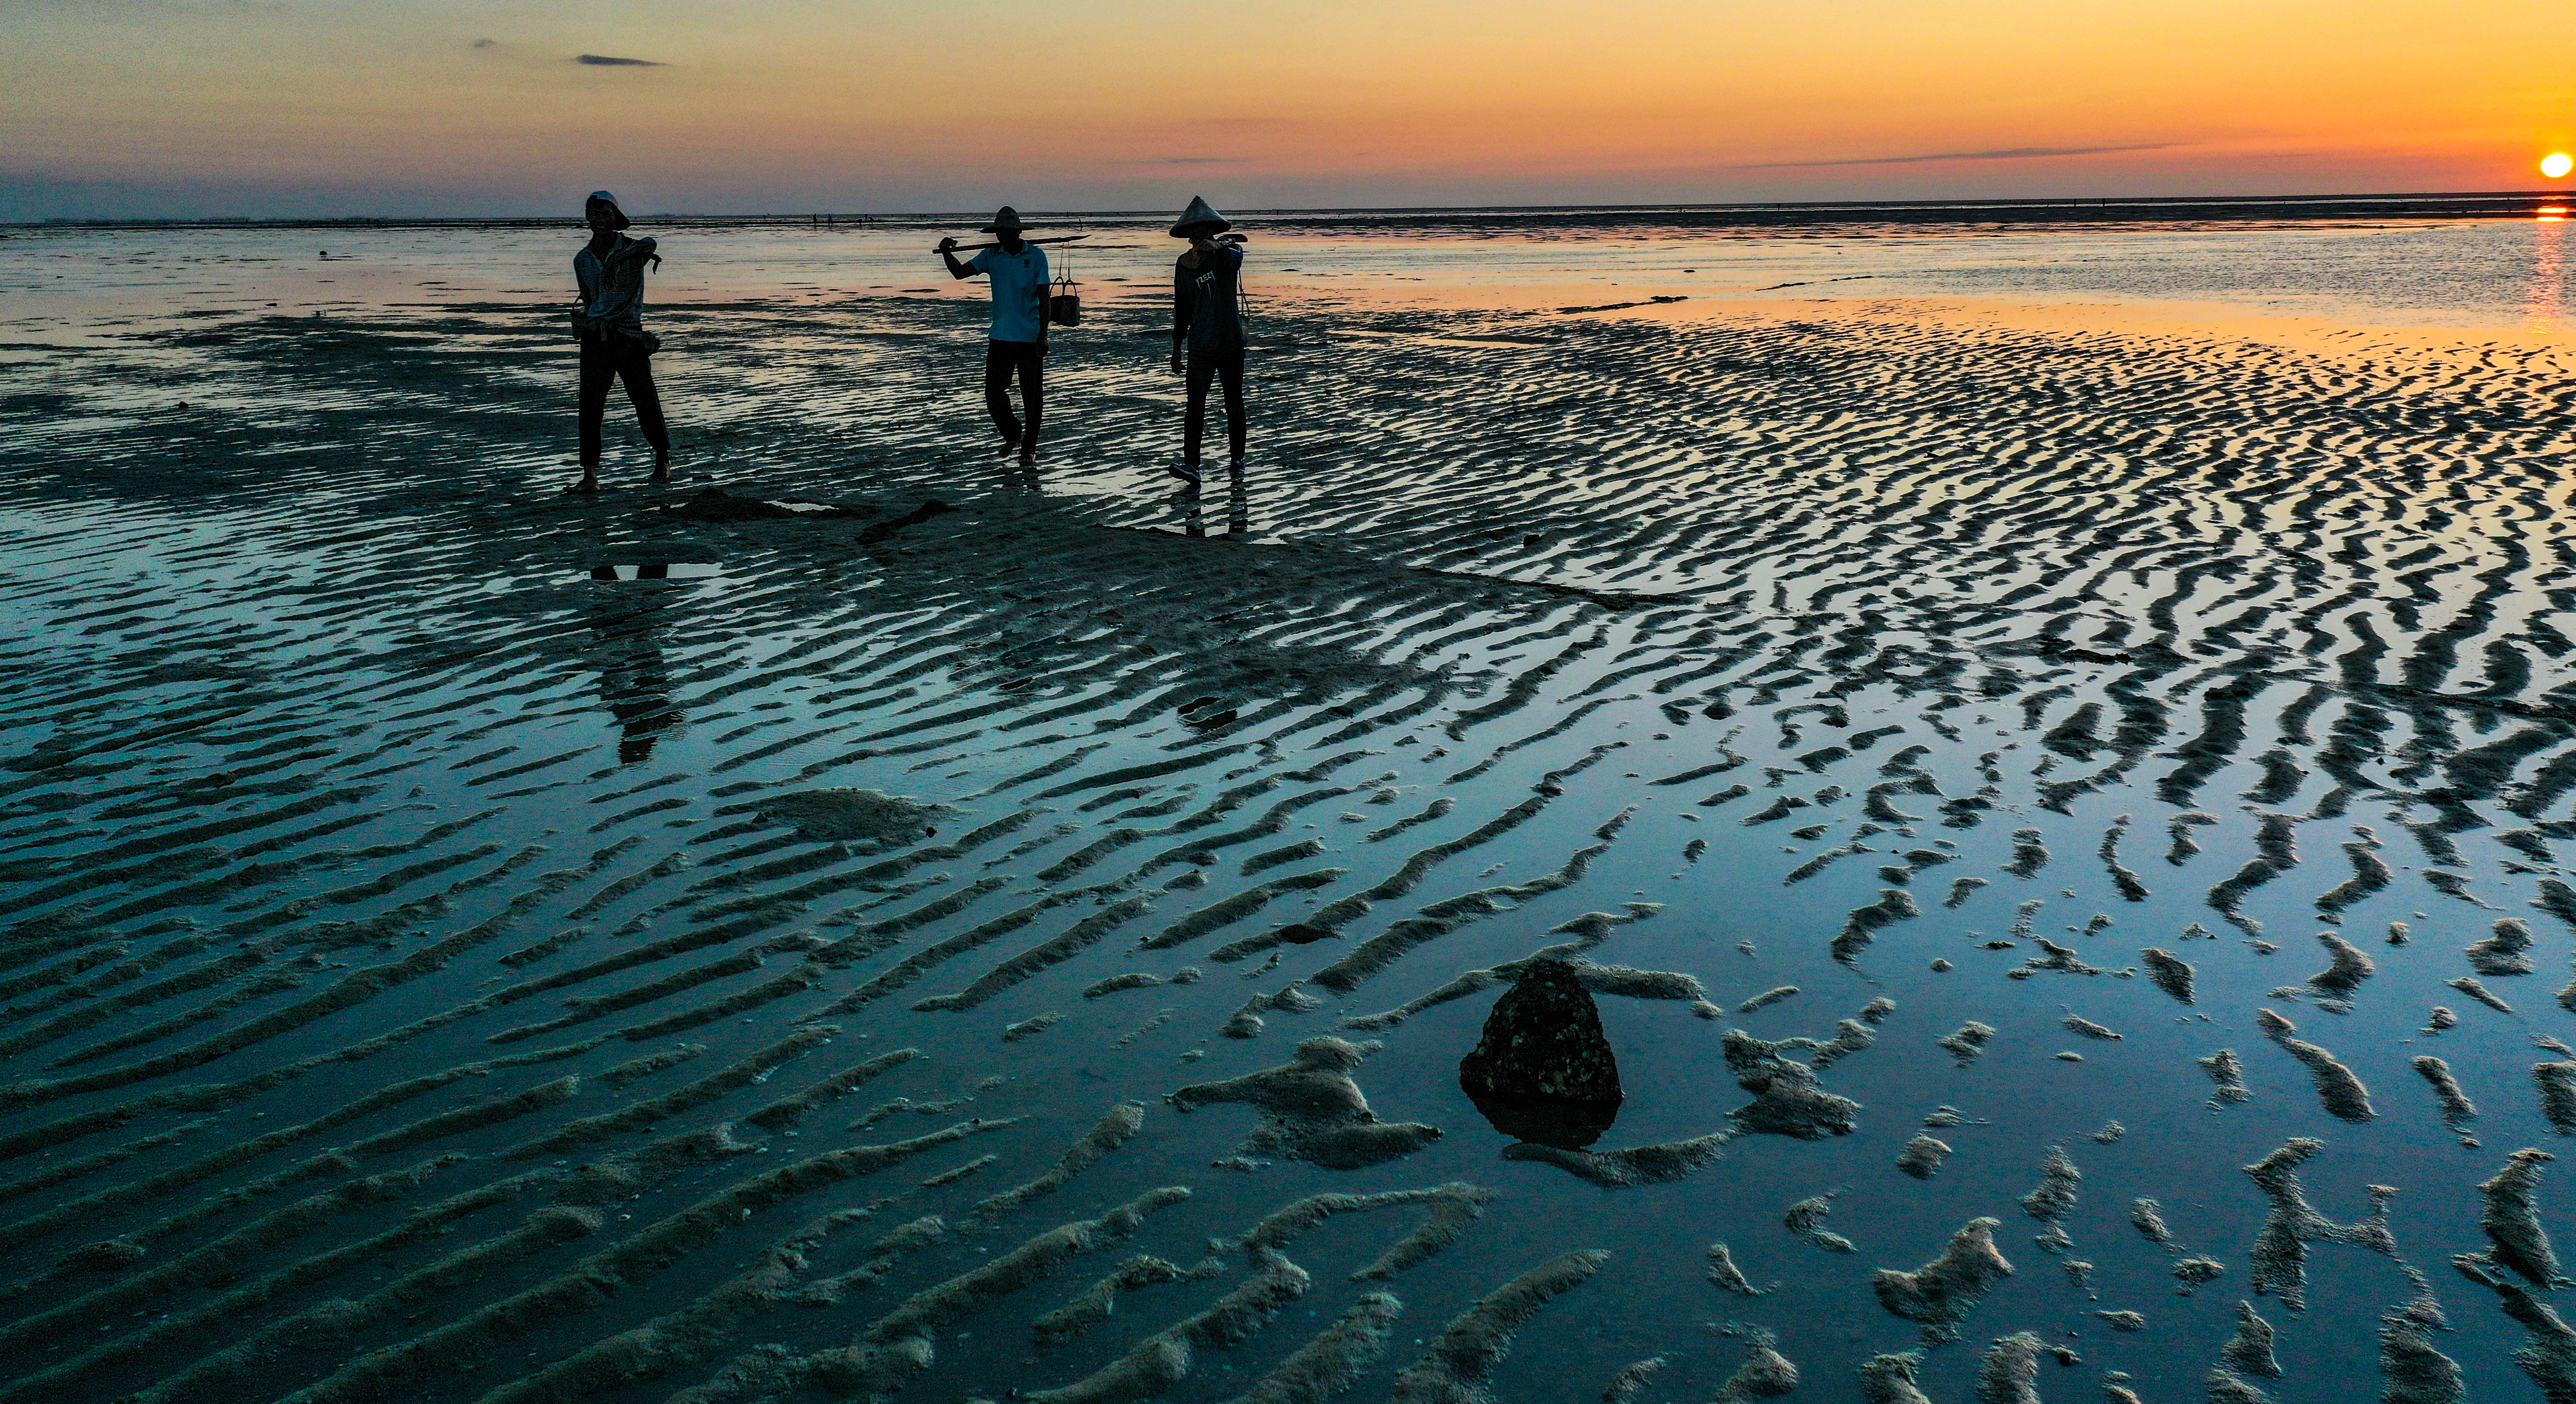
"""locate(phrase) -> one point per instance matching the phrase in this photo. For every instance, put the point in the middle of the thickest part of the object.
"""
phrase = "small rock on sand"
(1543, 1071)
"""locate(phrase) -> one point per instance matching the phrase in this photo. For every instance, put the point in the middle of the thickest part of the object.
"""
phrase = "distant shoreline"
(2508, 204)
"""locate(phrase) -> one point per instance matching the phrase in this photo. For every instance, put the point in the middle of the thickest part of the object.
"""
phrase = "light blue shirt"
(1019, 290)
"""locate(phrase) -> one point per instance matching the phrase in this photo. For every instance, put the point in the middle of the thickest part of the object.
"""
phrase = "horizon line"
(1970, 202)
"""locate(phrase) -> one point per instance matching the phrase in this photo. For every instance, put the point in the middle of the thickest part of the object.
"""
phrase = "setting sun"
(2556, 164)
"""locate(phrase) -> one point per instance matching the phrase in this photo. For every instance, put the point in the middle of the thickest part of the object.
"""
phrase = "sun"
(2557, 164)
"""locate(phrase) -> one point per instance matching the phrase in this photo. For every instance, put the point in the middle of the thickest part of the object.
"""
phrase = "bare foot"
(587, 487)
(661, 475)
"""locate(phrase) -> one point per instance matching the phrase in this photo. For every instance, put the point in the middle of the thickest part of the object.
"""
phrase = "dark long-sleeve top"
(1207, 302)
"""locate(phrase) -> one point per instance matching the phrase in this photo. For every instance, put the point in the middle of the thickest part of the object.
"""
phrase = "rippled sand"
(2058, 805)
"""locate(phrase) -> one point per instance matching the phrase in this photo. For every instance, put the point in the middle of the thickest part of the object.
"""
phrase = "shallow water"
(344, 752)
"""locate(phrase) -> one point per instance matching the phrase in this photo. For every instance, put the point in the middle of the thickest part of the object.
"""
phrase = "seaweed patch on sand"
(2053, 1199)
(1889, 1379)
(1805, 1222)
(1632, 1166)
(2342, 1093)
(2280, 1251)
(2009, 1372)
(1788, 1100)
(2511, 1218)
(1462, 1359)
(2457, 1110)
(2248, 1351)
(1327, 1366)
(1969, 1041)
(1727, 1277)
(894, 1349)
(1922, 1156)
(1764, 1374)
(2225, 1070)
(1312, 1110)
(2171, 973)
(1940, 1294)
(849, 814)
(1447, 1211)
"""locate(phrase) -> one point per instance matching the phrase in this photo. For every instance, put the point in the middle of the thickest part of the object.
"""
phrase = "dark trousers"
(606, 357)
(1000, 359)
(1226, 366)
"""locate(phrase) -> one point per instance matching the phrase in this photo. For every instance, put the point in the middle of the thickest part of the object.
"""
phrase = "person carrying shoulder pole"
(1207, 321)
(1017, 272)
(610, 327)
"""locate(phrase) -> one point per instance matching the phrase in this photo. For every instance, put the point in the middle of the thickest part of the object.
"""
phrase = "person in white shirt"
(1017, 271)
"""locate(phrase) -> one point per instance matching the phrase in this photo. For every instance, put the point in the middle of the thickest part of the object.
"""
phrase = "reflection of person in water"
(1238, 510)
(633, 680)
(614, 344)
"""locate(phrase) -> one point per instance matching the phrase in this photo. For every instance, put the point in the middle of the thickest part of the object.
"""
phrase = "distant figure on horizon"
(1207, 321)
(610, 328)
(1018, 274)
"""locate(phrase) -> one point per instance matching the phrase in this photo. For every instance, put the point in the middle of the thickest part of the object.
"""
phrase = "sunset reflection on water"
(2548, 275)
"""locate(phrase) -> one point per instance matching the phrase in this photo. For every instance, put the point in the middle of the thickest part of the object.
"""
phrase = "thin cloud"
(611, 61)
(1202, 161)
(486, 44)
(2014, 153)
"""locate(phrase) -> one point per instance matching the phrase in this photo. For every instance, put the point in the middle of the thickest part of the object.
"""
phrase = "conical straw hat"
(1200, 218)
(1005, 221)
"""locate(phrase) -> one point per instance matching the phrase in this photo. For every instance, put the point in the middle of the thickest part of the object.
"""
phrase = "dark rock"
(1543, 1071)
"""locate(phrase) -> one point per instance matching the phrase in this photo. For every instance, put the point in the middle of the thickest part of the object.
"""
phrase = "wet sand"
(2054, 792)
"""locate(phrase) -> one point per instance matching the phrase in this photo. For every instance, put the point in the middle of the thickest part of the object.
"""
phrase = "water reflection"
(1192, 502)
(657, 570)
(2548, 277)
(626, 648)
(1548, 1121)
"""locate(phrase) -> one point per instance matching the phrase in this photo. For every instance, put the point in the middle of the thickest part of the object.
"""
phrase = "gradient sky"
(355, 107)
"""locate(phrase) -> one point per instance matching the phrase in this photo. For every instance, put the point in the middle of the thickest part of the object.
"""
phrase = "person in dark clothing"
(1207, 322)
(610, 327)
(1017, 271)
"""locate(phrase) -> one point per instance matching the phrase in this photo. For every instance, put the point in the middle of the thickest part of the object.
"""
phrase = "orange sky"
(305, 107)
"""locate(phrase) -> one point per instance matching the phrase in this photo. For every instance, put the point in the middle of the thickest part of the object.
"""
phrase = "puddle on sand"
(979, 951)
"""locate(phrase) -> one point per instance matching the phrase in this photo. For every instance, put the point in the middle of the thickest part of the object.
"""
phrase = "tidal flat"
(2046, 747)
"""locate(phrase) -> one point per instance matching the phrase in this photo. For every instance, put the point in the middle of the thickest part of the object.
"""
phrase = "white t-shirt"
(1019, 287)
